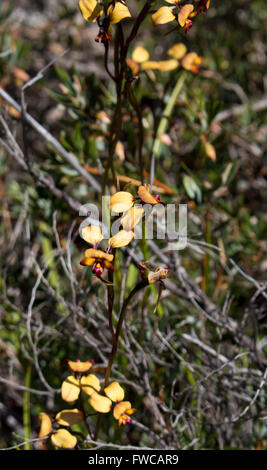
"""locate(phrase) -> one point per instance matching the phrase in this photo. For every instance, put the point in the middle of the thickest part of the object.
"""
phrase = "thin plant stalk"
(126, 302)
(26, 408)
(116, 338)
(163, 124)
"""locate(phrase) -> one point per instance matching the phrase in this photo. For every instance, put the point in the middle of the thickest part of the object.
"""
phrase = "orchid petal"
(70, 389)
(63, 438)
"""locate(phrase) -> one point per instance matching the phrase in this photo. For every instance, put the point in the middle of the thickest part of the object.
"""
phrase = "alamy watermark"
(159, 222)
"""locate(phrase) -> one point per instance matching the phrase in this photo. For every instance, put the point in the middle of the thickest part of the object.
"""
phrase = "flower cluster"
(99, 259)
(120, 202)
(92, 11)
(60, 436)
(114, 12)
(123, 201)
(139, 60)
(182, 14)
(81, 381)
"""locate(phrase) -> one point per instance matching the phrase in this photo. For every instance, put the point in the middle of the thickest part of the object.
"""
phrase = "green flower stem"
(137, 108)
(116, 338)
(159, 311)
(121, 48)
(163, 124)
(116, 123)
(110, 303)
(26, 408)
(126, 302)
(162, 127)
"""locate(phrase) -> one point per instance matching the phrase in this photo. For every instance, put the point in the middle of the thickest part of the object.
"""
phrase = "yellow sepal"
(92, 234)
(64, 439)
(70, 389)
(46, 425)
(69, 417)
(121, 201)
(90, 10)
(167, 65)
(100, 403)
(78, 366)
(118, 12)
(122, 238)
(177, 51)
(114, 391)
(98, 254)
(146, 196)
(89, 384)
(140, 54)
(162, 16)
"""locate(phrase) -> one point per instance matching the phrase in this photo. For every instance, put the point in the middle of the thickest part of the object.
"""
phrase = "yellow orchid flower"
(182, 14)
(150, 64)
(192, 62)
(44, 431)
(123, 409)
(60, 438)
(91, 10)
(153, 276)
(138, 57)
(157, 275)
(122, 412)
(98, 259)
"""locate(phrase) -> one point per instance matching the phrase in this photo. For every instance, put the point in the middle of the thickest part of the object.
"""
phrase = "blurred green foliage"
(226, 197)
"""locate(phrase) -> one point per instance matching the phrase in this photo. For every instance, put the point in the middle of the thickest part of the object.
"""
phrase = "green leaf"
(229, 173)
(66, 78)
(192, 189)
(78, 138)
(132, 277)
